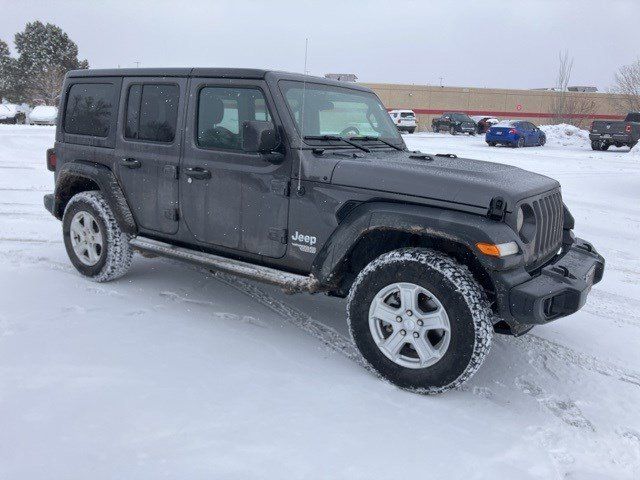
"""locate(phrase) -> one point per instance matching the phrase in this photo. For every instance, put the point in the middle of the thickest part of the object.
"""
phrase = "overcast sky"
(484, 43)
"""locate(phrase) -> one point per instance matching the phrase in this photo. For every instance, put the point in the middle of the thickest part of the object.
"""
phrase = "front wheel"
(452, 130)
(491, 144)
(96, 245)
(420, 320)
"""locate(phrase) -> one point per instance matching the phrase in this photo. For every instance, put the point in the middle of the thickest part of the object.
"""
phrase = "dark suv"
(306, 183)
(454, 123)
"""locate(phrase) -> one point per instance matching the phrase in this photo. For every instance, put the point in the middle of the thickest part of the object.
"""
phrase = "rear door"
(148, 148)
(230, 198)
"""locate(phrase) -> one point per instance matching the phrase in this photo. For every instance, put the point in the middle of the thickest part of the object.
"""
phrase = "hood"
(458, 180)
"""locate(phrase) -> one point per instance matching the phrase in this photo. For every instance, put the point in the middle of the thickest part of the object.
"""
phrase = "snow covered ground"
(173, 372)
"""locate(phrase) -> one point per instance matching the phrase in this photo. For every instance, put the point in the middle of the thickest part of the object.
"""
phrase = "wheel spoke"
(408, 296)
(424, 349)
(393, 343)
(436, 320)
(384, 312)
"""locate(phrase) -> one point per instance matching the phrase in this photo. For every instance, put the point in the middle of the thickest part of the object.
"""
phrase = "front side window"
(330, 110)
(89, 109)
(221, 112)
(152, 112)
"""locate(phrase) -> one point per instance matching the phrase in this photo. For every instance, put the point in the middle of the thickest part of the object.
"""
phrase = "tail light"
(52, 160)
(513, 131)
(627, 129)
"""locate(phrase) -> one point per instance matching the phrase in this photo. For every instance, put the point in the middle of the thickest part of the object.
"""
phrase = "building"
(534, 105)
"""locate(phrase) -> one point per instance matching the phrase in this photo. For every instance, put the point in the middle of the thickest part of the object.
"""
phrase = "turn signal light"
(498, 250)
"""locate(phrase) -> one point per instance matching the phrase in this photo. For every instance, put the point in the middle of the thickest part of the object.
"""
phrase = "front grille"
(549, 220)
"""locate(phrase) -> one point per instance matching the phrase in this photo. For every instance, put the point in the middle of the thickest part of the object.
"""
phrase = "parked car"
(10, 113)
(454, 123)
(218, 167)
(484, 123)
(405, 120)
(515, 133)
(43, 115)
(603, 134)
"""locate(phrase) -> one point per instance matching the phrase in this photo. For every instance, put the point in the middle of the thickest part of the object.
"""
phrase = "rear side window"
(152, 113)
(89, 109)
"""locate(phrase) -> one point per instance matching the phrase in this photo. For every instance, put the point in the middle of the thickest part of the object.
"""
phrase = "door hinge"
(280, 187)
(172, 214)
(278, 234)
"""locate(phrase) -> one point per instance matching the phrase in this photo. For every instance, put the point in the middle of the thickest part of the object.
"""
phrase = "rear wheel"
(492, 144)
(520, 143)
(420, 320)
(605, 146)
(435, 129)
(96, 245)
(412, 129)
(596, 145)
(452, 130)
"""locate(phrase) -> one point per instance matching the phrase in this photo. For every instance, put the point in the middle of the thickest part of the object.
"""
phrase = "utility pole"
(441, 84)
(137, 64)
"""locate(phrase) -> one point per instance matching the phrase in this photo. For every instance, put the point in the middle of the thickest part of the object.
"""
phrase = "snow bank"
(635, 151)
(566, 135)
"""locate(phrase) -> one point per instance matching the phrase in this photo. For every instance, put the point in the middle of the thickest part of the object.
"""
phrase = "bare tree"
(627, 86)
(45, 86)
(570, 107)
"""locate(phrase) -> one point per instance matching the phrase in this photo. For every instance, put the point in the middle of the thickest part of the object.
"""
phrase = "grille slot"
(549, 219)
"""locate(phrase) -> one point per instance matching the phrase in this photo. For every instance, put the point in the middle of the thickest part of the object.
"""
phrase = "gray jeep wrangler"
(305, 183)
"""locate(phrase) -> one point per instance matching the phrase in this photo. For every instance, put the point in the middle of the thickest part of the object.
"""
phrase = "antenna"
(304, 92)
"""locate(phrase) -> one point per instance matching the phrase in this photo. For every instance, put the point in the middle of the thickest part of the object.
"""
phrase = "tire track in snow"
(329, 337)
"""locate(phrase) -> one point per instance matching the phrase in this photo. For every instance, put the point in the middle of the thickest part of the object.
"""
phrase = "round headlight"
(526, 223)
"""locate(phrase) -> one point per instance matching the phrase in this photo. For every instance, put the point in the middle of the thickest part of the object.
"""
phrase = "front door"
(230, 198)
(148, 149)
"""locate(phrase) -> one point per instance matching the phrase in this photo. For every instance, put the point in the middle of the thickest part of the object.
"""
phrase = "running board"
(291, 282)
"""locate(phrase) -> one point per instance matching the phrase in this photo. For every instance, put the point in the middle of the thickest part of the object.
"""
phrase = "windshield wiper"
(371, 137)
(336, 138)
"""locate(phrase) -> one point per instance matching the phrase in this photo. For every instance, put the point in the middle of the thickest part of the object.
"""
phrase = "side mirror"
(259, 137)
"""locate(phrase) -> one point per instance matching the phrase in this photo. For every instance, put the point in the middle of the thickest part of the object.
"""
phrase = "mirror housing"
(259, 137)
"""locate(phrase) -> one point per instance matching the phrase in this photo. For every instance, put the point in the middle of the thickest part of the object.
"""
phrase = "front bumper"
(561, 287)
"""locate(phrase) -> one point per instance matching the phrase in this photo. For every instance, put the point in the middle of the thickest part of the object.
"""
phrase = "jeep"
(263, 174)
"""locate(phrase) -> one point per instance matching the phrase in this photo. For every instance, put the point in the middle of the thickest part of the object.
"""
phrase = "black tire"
(116, 254)
(462, 298)
(492, 144)
(542, 141)
(605, 146)
(452, 130)
(596, 145)
(435, 129)
(411, 130)
(520, 143)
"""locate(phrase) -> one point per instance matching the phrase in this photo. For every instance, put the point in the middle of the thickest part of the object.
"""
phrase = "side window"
(221, 112)
(89, 109)
(152, 112)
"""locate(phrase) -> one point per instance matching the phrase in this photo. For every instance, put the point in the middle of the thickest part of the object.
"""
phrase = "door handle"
(198, 173)
(131, 163)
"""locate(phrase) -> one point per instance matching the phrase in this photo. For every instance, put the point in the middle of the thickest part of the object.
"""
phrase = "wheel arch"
(373, 229)
(80, 176)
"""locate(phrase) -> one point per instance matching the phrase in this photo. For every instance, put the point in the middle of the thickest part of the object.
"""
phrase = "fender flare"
(72, 173)
(458, 227)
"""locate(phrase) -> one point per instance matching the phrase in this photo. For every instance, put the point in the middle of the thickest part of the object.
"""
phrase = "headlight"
(526, 223)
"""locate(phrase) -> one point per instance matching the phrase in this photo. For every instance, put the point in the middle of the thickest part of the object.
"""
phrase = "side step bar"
(290, 282)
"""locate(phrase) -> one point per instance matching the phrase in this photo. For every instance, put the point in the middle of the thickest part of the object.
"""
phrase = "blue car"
(515, 133)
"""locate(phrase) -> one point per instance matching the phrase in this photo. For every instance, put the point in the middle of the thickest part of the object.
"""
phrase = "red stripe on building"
(423, 111)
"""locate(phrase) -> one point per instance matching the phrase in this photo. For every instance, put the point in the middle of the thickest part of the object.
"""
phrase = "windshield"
(461, 117)
(330, 110)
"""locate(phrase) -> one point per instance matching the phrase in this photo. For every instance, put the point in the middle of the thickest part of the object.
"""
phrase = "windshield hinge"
(280, 187)
(497, 208)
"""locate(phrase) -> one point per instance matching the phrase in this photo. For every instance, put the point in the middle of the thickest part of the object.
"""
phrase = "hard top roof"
(239, 73)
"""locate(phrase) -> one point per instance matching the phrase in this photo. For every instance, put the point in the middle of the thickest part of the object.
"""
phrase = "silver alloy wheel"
(409, 325)
(86, 238)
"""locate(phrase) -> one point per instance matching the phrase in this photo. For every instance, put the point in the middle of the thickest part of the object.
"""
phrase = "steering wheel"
(345, 132)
